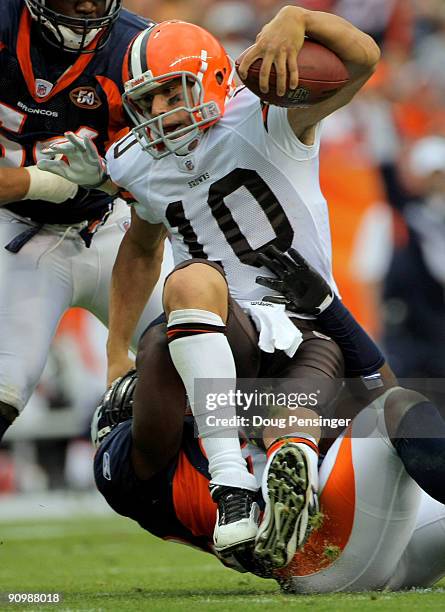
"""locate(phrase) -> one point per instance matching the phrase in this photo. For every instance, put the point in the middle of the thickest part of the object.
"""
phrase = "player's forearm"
(31, 183)
(135, 274)
(353, 46)
(362, 356)
(14, 184)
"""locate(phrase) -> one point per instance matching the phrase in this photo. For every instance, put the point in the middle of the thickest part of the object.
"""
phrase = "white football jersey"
(249, 183)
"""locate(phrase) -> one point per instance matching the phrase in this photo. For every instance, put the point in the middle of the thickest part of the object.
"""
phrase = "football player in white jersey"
(226, 176)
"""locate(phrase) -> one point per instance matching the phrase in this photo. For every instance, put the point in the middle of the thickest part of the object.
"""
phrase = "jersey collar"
(24, 58)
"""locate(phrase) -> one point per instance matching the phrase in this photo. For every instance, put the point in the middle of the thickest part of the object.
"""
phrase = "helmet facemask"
(74, 34)
(150, 131)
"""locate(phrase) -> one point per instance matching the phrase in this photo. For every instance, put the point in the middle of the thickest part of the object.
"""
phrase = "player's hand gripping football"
(278, 43)
(84, 165)
(302, 289)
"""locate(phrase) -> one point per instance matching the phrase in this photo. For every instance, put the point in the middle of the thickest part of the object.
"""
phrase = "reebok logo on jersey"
(85, 97)
(262, 303)
(106, 471)
(199, 180)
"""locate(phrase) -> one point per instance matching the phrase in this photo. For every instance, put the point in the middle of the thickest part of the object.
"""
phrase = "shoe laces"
(234, 505)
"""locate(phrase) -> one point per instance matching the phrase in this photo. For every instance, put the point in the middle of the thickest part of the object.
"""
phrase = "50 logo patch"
(85, 97)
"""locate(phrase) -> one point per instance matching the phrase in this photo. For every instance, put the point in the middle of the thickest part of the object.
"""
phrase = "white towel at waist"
(276, 330)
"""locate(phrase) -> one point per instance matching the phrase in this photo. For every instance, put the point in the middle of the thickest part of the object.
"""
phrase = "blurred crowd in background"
(383, 174)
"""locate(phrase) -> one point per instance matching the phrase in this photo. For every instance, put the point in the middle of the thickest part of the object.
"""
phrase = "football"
(321, 75)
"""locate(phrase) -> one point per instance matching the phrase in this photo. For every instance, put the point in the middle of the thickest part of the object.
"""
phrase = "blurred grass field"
(109, 563)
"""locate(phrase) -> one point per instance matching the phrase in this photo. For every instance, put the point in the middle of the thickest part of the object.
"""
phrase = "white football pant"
(51, 273)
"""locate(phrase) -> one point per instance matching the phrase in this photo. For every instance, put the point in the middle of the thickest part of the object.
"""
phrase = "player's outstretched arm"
(31, 183)
(279, 43)
(357, 50)
(84, 165)
(135, 274)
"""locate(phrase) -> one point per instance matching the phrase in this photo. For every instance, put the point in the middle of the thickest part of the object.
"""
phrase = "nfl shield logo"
(187, 162)
(43, 88)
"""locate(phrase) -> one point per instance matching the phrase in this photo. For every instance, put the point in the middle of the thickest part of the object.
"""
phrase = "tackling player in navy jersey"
(60, 70)
(381, 482)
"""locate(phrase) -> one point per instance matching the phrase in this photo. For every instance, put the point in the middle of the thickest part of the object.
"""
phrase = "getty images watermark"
(257, 398)
(270, 402)
(285, 404)
(290, 405)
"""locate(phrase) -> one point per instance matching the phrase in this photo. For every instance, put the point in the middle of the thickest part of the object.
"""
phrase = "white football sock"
(208, 356)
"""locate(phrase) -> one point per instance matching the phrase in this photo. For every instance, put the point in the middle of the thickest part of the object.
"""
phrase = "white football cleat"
(290, 500)
(237, 518)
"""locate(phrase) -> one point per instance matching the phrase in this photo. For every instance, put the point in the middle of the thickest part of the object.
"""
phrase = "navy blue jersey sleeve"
(126, 28)
(131, 20)
(362, 356)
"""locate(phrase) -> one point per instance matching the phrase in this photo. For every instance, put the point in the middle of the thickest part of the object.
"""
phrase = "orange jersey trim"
(193, 504)
(24, 57)
(337, 503)
(173, 332)
(127, 196)
(116, 119)
(279, 443)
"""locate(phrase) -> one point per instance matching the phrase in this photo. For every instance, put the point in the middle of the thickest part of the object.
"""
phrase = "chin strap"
(75, 41)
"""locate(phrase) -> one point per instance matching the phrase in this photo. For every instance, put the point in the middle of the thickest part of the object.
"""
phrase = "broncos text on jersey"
(42, 96)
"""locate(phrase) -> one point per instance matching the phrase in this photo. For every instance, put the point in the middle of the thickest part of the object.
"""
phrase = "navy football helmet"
(74, 34)
(115, 407)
